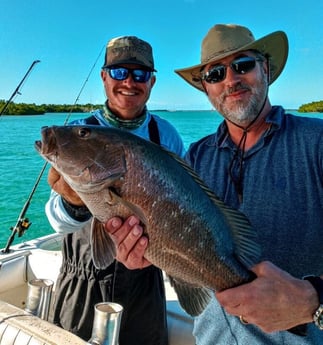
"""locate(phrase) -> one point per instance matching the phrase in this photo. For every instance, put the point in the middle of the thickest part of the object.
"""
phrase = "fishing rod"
(23, 223)
(18, 87)
(81, 90)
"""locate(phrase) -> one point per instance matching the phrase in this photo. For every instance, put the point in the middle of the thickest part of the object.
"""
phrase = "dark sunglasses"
(241, 65)
(122, 73)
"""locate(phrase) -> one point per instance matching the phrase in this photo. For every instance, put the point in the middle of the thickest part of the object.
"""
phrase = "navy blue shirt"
(282, 188)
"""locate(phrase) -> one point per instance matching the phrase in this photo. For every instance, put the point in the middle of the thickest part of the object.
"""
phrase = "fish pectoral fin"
(103, 248)
(191, 298)
(112, 198)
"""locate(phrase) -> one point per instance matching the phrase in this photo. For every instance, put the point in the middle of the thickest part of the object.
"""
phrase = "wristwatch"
(317, 283)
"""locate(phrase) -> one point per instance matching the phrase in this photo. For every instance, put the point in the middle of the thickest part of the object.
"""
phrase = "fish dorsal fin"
(191, 298)
(245, 237)
(247, 248)
(103, 248)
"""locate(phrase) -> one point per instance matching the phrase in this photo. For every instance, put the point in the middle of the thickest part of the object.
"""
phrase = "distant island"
(313, 107)
(33, 109)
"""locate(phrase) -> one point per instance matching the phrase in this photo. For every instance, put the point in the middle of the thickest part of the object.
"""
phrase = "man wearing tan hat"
(269, 165)
(128, 78)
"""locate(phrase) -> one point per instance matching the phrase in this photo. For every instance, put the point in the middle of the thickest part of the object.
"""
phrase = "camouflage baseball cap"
(129, 50)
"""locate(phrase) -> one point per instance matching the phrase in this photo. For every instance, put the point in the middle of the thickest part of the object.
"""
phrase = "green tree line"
(313, 107)
(33, 109)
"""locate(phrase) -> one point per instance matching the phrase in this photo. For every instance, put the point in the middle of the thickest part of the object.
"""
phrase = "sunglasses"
(122, 73)
(241, 65)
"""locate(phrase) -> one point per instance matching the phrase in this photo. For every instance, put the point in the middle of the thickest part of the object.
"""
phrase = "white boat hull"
(41, 259)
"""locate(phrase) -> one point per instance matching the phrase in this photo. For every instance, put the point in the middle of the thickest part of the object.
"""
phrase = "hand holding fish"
(274, 301)
(58, 184)
(130, 243)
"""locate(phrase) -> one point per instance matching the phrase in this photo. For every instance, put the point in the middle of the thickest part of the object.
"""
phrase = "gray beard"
(242, 113)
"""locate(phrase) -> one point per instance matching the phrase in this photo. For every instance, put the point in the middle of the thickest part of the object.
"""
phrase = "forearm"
(61, 216)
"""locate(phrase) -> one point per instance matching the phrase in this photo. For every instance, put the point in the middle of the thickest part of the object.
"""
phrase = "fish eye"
(84, 132)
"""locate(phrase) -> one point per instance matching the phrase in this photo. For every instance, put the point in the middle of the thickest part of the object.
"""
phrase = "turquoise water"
(20, 164)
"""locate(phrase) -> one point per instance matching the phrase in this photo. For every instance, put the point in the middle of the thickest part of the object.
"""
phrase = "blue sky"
(68, 36)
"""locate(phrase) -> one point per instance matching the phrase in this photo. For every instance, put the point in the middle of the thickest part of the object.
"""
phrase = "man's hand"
(274, 301)
(58, 184)
(129, 240)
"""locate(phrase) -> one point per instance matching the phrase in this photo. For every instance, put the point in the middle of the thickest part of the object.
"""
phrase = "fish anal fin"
(191, 298)
(103, 248)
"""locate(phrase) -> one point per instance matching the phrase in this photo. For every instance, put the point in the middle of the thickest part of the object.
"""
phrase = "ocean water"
(21, 166)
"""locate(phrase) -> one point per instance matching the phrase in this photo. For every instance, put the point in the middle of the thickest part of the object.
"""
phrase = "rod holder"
(39, 297)
(106, 324)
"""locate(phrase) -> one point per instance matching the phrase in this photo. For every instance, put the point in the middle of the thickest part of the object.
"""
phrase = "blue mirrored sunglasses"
(241, 65)
(122, 73)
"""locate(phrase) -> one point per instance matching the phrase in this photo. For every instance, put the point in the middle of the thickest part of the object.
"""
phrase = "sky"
(69, 38)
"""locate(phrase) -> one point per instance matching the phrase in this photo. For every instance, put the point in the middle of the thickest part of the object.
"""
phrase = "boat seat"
(17, 327)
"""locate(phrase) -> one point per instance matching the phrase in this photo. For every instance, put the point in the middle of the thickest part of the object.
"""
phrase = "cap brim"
(274, 46)
(130, 62)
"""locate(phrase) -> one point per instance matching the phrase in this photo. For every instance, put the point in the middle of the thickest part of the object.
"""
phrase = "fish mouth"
(47, 146)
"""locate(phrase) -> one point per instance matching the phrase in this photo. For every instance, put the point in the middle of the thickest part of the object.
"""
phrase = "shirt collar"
(274, 117)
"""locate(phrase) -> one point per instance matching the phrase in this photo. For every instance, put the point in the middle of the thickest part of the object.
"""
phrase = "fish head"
(86, 156)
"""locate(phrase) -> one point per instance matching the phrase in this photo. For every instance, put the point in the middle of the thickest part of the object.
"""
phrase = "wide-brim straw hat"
(223, 40)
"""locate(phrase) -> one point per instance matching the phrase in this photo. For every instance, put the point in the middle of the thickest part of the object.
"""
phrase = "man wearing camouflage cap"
(128, 78)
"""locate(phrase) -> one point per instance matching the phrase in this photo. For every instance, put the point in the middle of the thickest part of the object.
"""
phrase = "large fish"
(200, 243)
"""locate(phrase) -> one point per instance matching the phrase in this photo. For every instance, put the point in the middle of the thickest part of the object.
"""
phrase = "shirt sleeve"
(58, 217)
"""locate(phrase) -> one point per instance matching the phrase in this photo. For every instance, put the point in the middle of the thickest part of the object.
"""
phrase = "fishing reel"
(21, 226)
